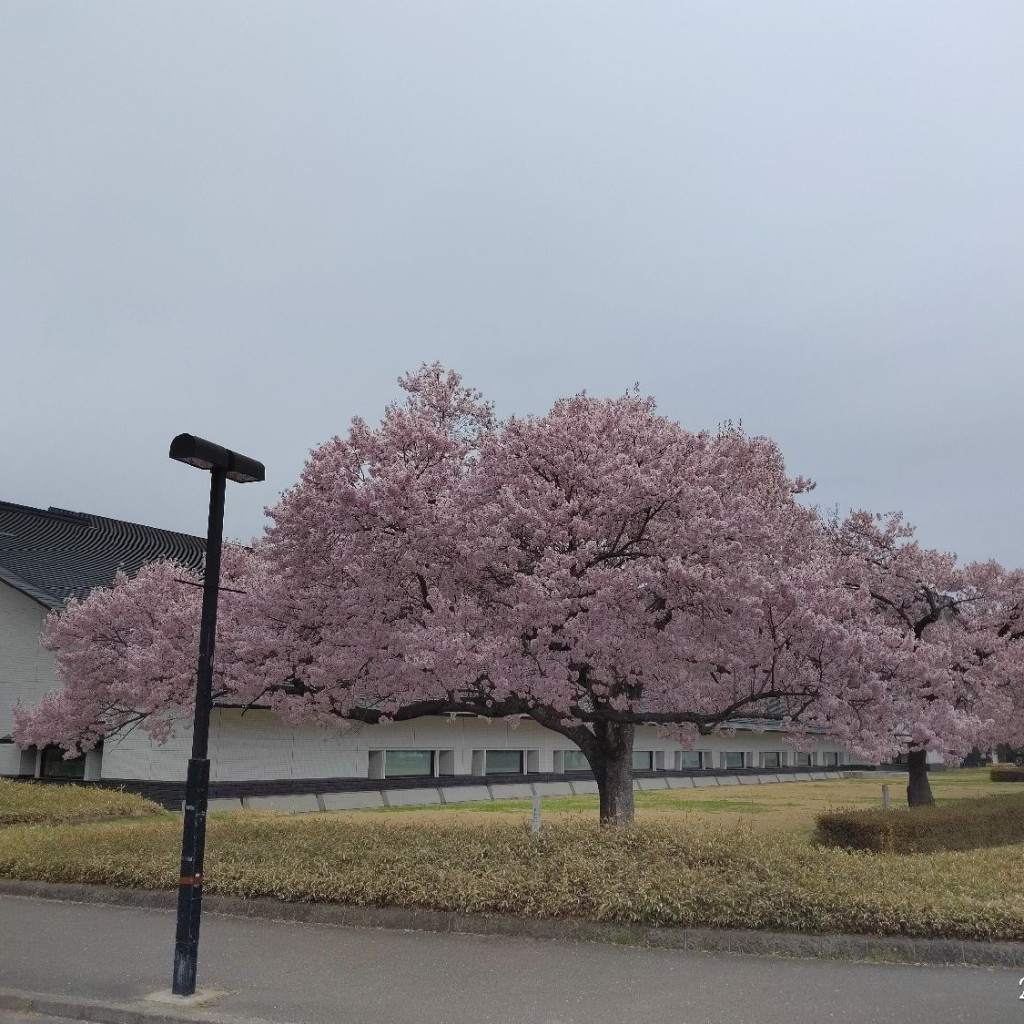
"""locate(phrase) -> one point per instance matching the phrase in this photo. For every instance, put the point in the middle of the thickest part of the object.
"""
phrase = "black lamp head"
(195, 451)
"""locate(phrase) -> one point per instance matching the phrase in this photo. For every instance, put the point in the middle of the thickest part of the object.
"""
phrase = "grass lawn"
(778, 807)
(688, 864)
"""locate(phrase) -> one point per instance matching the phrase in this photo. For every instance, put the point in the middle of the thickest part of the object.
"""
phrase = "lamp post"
(223, 465)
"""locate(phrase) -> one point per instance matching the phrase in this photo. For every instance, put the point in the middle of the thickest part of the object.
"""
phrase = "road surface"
(331, 975)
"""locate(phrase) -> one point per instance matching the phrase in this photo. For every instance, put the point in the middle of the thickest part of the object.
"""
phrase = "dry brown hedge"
(661, 873)
(958, 825)
(25, 802)
(1006, 773)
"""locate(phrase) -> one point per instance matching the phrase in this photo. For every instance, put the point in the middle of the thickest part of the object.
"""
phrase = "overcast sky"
(245, 220)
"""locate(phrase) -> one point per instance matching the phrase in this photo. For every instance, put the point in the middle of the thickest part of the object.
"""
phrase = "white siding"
(27, 671)
(258, 745)
(10, 759)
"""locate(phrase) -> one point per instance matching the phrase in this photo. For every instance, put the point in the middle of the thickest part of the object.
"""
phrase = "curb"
(101, 1012)
(891, 949)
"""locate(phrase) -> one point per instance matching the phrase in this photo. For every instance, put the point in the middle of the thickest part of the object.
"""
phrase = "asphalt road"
(326, 975)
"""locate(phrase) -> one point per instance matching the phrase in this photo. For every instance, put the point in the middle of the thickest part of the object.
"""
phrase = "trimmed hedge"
(1006, 773)
(27, 802)
(958, 825)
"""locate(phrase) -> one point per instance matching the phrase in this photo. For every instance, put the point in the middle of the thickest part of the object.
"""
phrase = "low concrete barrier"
(653, 783)
(552, 788)
(679, 782)
(351, 801)
(464, 794)
(293, 804)
(428, 796)
(410, 797)
(511, 791)
(225, 803)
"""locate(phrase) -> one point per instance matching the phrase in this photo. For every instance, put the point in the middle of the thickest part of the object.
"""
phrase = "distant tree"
(959, 684)
(593, 569)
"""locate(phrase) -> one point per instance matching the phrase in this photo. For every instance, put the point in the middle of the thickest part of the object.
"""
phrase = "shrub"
(659, 873)
(958, 825)
(33, 802)
(1006, 773)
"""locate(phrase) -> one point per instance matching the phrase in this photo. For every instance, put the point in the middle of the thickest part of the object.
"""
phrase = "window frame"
(573, 755)
(46, 756)
(431, 759)
(520, 755)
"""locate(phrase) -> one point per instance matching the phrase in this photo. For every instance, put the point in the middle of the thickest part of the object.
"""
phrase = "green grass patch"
(28, 802)
(660, 801)
(679, 870)
(783, 807)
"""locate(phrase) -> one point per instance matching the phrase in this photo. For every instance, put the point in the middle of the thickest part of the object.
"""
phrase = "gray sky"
(244, 220)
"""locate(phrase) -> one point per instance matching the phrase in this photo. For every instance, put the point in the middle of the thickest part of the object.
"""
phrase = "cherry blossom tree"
(127, 653)
(960, 683)
(593, 569)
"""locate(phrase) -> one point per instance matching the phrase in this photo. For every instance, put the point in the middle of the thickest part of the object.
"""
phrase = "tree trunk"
(919, 792)
(611, 758)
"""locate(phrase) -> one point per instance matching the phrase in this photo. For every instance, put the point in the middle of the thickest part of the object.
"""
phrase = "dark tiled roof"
(52, 554)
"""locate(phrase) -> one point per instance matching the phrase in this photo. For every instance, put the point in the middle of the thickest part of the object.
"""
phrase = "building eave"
(13, 580)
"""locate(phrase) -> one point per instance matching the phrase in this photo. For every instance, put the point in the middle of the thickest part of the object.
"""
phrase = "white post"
(885, 797)
(535, 817)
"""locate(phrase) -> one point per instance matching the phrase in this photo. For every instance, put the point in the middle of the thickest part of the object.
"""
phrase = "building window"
(734, 759)
(574, 761)
(406, 763)
(643, 760)
(54, 765)
(802, 760)
(771, 759)
(831, 758)
(503, 762)
(690, 759)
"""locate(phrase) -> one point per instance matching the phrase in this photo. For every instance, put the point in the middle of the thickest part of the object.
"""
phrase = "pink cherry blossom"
(959, 684)
(595, 568)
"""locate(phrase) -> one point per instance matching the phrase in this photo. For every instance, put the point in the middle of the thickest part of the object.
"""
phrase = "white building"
(47, 556)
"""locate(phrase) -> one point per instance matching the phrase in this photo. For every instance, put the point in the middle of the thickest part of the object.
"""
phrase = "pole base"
(201, 997)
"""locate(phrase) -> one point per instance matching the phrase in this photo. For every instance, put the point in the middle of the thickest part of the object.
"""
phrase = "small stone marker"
(535, 817)
(885, 797)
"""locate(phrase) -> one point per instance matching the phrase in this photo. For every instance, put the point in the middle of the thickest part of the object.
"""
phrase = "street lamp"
(223, 465)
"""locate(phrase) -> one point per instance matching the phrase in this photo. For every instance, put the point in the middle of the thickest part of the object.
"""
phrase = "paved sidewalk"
(317, 974)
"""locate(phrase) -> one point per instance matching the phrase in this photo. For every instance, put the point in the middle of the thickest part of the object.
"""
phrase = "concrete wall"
(27, 671)
(257, 745)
